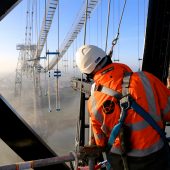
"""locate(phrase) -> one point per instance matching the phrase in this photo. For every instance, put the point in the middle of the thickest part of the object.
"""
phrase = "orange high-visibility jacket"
(148, 91)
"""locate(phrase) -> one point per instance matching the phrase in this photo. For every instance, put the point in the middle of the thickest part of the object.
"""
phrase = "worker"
(145, 149)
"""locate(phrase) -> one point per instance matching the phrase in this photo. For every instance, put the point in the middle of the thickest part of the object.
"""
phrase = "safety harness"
(127, 102)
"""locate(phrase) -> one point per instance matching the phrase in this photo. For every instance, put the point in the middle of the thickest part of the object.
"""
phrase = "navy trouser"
(156, 161)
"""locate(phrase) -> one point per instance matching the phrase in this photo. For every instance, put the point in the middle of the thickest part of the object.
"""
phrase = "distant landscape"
(57, 129)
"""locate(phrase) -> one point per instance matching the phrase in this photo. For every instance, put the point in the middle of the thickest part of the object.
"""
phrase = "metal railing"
(39, 163)
(87, 152)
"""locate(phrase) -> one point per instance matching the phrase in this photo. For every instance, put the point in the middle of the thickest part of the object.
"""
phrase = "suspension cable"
(114, 42)
(101, 23)
(107, 28)
(47, 57)
(118, 45)
(138, 34)
(57, 81)
(45, 60)
(97, 25)
(85, 24)
(58, 30)
(32, 23)
(82, 97)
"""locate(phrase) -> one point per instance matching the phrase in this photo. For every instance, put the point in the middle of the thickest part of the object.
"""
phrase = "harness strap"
(146, 116)
(108, 91)
(125, 106)
(111, 92)
(127, 102)
(115, 131)
(123, 100)
(118, 129)
(126, 83)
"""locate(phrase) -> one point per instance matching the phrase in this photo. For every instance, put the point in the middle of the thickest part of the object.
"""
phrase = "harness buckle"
(125, 102)
(98, 87)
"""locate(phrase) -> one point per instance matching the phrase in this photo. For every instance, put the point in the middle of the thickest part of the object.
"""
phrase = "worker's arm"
(163, 94)
(96, 121)
(99, 137)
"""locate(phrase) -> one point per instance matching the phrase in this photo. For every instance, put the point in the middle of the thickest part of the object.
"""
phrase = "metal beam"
(84, 86)
(74, 30)
(21, 138)
(157, 42)
(7, 6)
(46, 25)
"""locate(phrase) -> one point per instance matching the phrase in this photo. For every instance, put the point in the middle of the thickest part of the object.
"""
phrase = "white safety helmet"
(88, 57)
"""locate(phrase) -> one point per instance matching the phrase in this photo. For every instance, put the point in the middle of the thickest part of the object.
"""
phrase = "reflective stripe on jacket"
(104, 109)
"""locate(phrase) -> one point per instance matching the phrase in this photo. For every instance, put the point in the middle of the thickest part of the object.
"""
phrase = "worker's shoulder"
(125, 67)
(145, 75)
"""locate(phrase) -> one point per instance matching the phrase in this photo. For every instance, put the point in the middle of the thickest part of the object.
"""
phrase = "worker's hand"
(93, 142)
(91, 150)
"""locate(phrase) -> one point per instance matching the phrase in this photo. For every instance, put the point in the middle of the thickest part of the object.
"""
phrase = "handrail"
(39, 162)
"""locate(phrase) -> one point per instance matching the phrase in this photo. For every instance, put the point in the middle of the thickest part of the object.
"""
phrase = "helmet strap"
(104, 62)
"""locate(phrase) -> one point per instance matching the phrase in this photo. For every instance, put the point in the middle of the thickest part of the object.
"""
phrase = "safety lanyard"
(116, 129)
